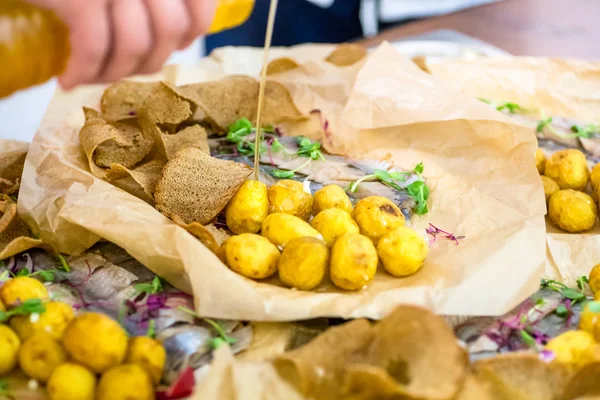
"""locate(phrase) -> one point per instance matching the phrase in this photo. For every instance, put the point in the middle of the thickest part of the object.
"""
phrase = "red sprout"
(324, 124)
(278, 131)
(434, 231)
(570, 313)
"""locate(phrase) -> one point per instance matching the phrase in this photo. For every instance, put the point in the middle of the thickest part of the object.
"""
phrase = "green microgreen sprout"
(222, 337)
(238, 132)
(151, 332)
(153, 287)
(565, 291)
(418, 190)
(63, 263)
(306, 148)
(31, 306)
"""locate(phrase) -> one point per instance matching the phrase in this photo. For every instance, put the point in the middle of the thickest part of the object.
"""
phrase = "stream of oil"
(263, 81)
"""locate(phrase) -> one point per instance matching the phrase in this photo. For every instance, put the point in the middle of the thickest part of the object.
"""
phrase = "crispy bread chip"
(160, 117)
(347, 54)
(15, 236)
(221, 103)
(106, 143)
(209, 235)
(585, 384)
(523, 375)
(123, 99)
(11, 170)
(196, 186)
(280, 65)
(319, 367)
(140, 182)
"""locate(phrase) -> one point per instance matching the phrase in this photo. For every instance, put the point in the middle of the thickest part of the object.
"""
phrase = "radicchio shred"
(182, 387)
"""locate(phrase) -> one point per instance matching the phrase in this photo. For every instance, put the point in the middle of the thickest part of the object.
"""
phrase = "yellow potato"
(280, 228)
(594, 279)
(402, 251)
(333, 223)
(353, 262)
(71, 381)
(248, 208)
(595, 178)
(125, 382)
(9, 349)
(20, 289)
(377, 216)
(572, 211)
(540, 161)
(590, 318)
(331, 196)
(149, 354)
(303, 263)
(53, 321)
(572, 347)
(95, 341)
(568, 168)
(550, 187)
(251, 255)
(40, 355)
(288, 196)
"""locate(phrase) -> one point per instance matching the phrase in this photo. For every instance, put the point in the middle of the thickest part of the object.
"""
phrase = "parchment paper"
(479, 166)
(567, 88)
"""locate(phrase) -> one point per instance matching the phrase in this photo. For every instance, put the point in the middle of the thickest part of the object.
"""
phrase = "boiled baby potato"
(20, 289)
(95, 341)
(402, 251)
(540, 161)
(40, 355)
(595, 178)
(572, 347)
(149, 354)
(53, 321)
(331, 196)
(9, 349)
(568, 168)
(280, 228)
(353, 262)
(303, 263)
(590, 318)
(125, 382)
(251, 255)
(288, 196)
(248, 208)
(550, 187)
(333, 223)
(376, 216)
(594, 279)
(572, 211)
(71, 381)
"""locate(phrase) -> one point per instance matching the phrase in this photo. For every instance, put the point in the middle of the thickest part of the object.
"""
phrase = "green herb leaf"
(419, 191)
(562, 311)
(572, 294)
(281, 174)
(150, 288)
(419, 168)
(151, 332)
(47, 276)
(543, 124)
(276, 146)
(511, 107)
(585, 132)
(215, 343)
(485, 100)
(528, 339)
(2, 264)
(242, 124)
(581, 281)
(30, 306)
(22, 272)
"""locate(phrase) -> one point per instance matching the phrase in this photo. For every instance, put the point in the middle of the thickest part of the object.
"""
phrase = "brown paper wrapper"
(479, 166)
(567, 88)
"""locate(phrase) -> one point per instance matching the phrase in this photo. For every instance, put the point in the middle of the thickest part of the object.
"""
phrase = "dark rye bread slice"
(196, 186)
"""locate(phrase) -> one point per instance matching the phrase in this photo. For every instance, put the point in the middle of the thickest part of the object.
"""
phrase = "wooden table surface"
(552, 28)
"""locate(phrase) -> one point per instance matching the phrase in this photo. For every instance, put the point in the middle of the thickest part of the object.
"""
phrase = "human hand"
(112, 39)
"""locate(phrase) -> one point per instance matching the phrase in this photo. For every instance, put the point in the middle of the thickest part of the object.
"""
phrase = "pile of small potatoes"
(302, 238)
(580, 347)
(83, 357)
(565, 175)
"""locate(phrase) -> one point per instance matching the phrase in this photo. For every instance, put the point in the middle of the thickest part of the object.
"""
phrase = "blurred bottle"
(34, 45)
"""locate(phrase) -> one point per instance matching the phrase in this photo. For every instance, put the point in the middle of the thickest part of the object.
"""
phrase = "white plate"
(442, 50)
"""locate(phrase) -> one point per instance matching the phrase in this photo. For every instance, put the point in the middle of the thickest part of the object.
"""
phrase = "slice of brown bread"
(196, 186)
